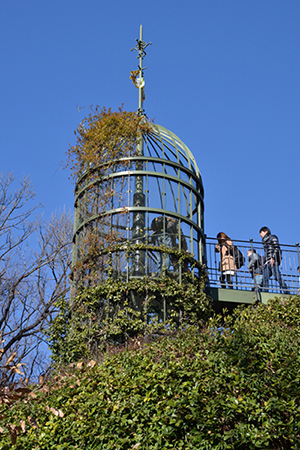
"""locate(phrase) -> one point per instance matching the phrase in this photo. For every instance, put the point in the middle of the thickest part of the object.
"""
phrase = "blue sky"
(222, 75)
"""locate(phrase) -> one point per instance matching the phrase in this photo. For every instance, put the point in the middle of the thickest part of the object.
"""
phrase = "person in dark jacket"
(255, 267)
(272, 259)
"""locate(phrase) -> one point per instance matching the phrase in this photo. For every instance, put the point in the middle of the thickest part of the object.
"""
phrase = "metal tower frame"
(162, 179)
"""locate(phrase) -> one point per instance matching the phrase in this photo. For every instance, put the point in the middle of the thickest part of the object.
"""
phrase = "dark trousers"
(275, 272)
(226, 277)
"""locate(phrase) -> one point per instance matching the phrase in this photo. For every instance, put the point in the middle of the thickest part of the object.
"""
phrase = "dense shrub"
(235, 387)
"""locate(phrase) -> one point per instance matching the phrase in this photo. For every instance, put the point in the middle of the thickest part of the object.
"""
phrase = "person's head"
(250, 251)
(298, 269)
(222, 237)
(263, 231)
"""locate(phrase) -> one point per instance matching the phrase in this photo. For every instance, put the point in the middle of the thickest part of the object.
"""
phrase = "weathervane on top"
(137, 76)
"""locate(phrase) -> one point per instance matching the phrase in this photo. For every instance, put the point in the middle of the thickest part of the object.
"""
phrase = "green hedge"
(230, 387)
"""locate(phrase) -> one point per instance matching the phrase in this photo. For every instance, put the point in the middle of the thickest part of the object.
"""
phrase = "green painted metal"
(162, 179)
(240, 296)
(139, 196)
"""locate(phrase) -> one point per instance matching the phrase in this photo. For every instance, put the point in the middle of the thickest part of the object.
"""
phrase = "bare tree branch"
(35, 257)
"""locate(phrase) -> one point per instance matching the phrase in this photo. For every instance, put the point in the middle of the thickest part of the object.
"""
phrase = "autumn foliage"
(103, 138)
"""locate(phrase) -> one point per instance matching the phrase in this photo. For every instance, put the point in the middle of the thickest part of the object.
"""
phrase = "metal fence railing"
(243, 279)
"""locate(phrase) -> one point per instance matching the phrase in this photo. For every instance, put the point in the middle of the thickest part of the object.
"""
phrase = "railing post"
(297, 246)
(256, 290)
(251, 243)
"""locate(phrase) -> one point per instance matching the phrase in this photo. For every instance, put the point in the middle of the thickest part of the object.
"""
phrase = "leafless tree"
(35, 258)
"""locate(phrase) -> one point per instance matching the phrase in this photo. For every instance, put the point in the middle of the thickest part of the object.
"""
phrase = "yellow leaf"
(16, 370)
(91, 363)
(23, 425)
(32, 394)
(11, 358)
(57, 412)
(42, 378)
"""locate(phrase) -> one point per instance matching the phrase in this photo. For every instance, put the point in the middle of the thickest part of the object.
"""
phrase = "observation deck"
(244, 290)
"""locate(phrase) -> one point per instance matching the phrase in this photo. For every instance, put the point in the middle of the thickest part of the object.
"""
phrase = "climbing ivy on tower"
(115, 312)
(105, 141)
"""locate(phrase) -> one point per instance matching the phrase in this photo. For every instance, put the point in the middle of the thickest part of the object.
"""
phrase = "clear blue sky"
(223, 75)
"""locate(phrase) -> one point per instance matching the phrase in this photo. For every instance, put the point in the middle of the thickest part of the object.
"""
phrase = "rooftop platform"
(243, 291)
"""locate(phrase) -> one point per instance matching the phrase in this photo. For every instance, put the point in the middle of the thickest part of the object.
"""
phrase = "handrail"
(242, 279)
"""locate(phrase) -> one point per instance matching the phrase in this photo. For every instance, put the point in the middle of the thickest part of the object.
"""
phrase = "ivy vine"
(113, 312)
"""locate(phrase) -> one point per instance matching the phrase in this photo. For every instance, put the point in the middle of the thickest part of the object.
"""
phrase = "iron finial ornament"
(140, 82)
(138, 233)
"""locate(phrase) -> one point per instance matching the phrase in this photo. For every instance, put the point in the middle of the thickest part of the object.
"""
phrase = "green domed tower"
(152, 224)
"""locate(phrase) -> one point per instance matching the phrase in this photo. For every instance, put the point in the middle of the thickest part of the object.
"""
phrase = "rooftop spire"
(140, 82)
